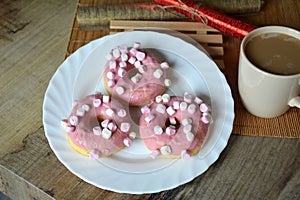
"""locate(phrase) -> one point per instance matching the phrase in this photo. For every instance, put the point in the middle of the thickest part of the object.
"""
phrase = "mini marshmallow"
(161, 108)
(105, 123)
(136, 78)
(170, 130)
(185, 155)
(190, 136)
(158, 130)
(106, 133)
(158, 73)
(186, 121)
(85, 107)
(204, 108)
(123, 64)
(158, 99)
(139, 76)
(167, 82)
(172, 120)
(149, 118)
(110, 112)
(137, 64)
(80, 112)
(176, 105)
(192, 108)
(70, 129)
(136, 45)
(112, 64)
(112, 126)
(64, 123)
(132, 135)
(74, 103)
(133, 51)
(125, 127)
(97, 130)
(145, 109)
(105, 98)
(197, 100)
(142, 69)
(116, 53)
(183, 105)
(97, 102)
(187, 97)
(155, 154)
(164, 65)
(132, 60)
(165, 150)
(120, 90)
(111, 83)
(187, 128)
(108, 56)
(122, 113)
(127, 142)
(110, 75)
(94, 154)
(206, 118)
(165, 98)
(121, 72)
(140, 55)
(124, 57)
(171, 111)
(73, 120)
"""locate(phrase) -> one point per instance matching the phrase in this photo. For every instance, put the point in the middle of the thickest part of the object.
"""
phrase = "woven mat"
(285, 126)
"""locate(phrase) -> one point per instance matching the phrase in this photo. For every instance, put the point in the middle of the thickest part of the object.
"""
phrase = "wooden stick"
(180, 26)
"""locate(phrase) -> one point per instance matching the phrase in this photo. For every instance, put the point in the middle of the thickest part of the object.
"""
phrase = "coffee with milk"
(275, 53)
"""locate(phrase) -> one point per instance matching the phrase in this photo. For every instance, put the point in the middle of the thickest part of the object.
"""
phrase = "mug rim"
(268, 29)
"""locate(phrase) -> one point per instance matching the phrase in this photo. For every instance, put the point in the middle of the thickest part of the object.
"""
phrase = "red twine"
(214, 19)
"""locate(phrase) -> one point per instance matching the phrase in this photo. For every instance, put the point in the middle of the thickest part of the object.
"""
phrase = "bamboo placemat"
(287, 125)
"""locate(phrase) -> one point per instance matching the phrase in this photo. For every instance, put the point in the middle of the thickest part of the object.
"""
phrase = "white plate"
(132, 170)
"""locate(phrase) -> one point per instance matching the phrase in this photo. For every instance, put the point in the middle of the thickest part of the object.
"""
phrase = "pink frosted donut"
(134, 75)
(98, 126)
(175, 127)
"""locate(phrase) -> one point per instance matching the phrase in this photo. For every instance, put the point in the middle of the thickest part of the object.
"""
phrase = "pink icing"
(86, 133)
(139, 83)
(178, 141)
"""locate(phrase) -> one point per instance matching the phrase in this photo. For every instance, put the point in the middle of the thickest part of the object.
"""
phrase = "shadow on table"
(3, 197)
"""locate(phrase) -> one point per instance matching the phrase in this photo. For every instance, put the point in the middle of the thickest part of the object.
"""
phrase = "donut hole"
(131, 73)
(175, 125)
(135, 114)
(96, 121)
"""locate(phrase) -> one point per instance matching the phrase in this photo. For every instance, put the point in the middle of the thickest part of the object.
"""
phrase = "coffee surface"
(275, 53)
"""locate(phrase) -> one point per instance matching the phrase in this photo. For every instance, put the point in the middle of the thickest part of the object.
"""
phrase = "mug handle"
(294, 102)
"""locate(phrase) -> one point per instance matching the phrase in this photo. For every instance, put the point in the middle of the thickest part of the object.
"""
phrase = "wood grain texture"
(33, 39)
(26, 62)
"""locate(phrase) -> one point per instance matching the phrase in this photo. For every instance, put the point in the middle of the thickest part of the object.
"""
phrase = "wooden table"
(33, 40)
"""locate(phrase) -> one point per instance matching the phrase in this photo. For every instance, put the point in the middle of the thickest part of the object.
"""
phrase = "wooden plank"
(180, 26)
(17, 187)
(212, 39)
(205, 38)
(214, 51)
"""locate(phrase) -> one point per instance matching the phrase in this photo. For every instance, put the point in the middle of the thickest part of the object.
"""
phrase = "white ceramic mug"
(265, 94)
